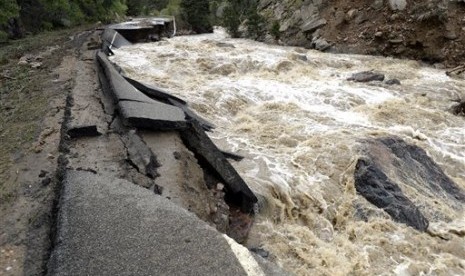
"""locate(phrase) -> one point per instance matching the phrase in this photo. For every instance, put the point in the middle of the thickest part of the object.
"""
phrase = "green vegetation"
(33, 16)
(38, 15)
(255, 23)
(172, 8)
(25, 94)
(274, 31)
(197, 14)
(8, 9)
(243, 12)
(231, 20)
(145, 7)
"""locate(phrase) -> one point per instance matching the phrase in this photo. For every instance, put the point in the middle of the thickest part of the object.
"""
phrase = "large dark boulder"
(459, 109)
(406, 183)
(378, 189)
(416, 164)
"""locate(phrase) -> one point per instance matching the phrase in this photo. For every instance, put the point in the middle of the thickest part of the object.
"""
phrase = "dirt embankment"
(432, 31)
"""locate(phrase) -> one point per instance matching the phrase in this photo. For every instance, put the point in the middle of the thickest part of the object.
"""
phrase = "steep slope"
(428, 30)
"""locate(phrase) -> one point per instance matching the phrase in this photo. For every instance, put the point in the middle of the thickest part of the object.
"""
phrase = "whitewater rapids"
(299, 123)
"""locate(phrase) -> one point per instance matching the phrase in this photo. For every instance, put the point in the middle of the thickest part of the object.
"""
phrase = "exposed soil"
(32, 107)
(425, 30)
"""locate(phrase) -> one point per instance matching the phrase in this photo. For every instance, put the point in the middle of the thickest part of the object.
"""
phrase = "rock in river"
(405, 182)
(366, 76)
(378, 189)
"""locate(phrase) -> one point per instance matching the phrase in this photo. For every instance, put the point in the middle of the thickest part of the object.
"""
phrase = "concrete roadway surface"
(109, 226)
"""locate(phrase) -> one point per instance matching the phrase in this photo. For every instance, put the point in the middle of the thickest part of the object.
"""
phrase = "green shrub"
(274, 31)
(144, 7)
(255, 22)
(3, 36)
(197, 14)
(231, 19)
(243, 11)
(172, 8)
(8, 9)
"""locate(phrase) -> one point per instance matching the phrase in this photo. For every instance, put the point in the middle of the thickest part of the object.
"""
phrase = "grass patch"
(14, 49)
(25, 94)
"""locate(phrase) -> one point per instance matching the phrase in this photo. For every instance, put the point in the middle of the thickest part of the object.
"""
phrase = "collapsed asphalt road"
(144, 190)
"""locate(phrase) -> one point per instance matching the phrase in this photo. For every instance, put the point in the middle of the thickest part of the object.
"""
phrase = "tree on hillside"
(37, 15)
(9, 10)
(197, 14)
(137, 7)
(243, 12)
(143, 7)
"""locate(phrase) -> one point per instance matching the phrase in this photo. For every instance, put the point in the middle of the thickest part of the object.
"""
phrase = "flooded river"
(301, 126)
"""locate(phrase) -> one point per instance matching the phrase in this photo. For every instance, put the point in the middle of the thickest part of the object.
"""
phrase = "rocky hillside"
(430, 30)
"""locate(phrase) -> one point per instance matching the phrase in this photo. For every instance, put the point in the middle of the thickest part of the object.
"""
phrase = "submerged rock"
(378, 189)
(393, 82)
(417, 165)
(459, 109)
(405, 182)
(366, 76)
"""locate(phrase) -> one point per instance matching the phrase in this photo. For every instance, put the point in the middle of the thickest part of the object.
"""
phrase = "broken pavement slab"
(122, 89)
(87, 117)
(140, 154)
(237, 191)
(156, 115)
(109, 226)
(137, 109)
(153, 91)
(191, 115)
(112, 39)
(163, 96)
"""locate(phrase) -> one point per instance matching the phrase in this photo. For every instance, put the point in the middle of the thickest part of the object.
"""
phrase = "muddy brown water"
(301, 126)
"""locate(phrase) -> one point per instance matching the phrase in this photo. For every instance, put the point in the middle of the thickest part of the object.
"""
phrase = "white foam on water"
(299, 123)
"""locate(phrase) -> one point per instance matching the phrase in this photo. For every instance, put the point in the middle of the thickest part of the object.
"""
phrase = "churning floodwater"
(301, 126)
